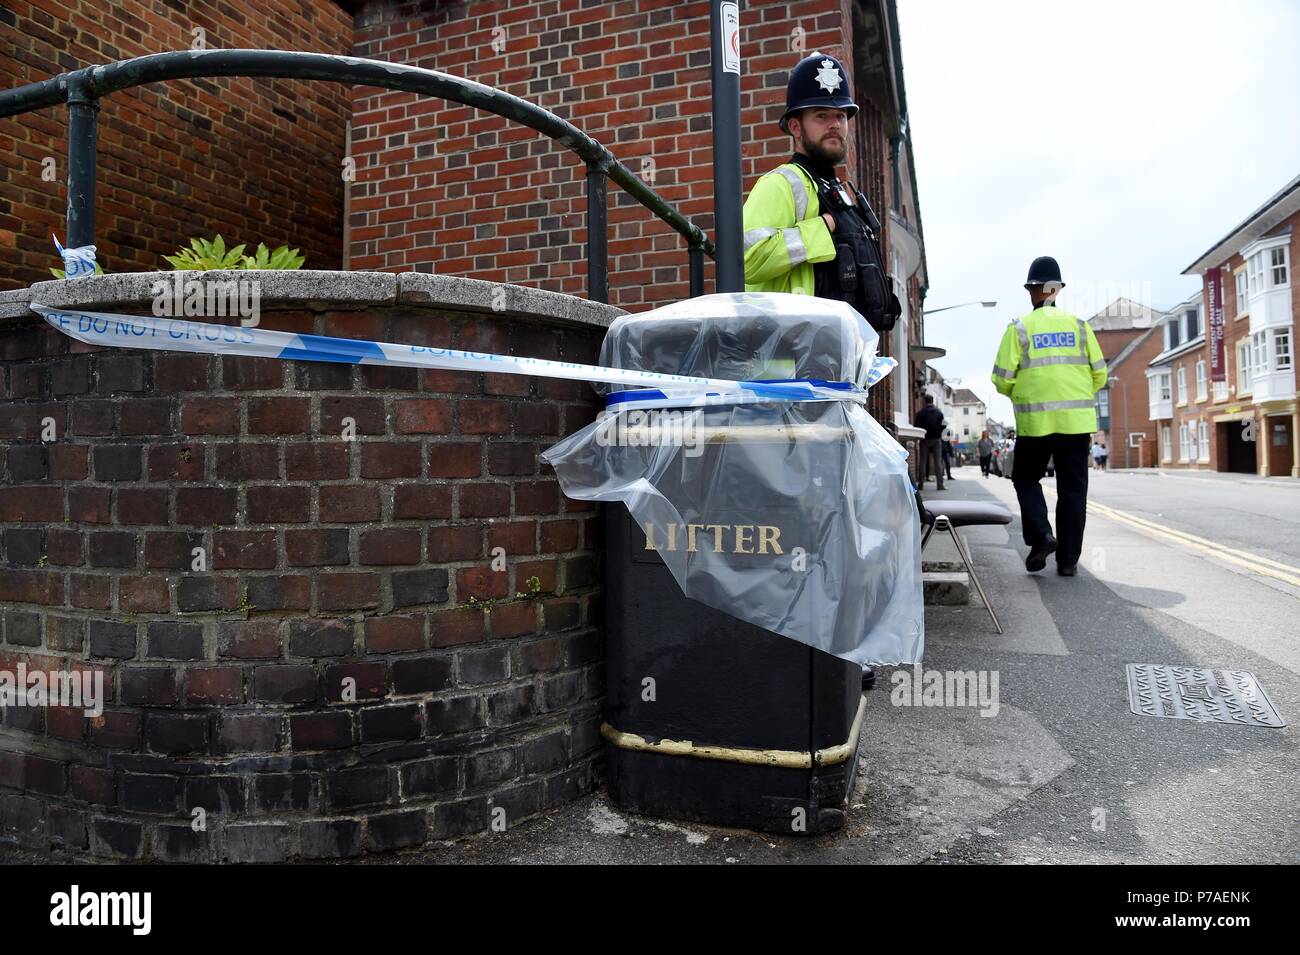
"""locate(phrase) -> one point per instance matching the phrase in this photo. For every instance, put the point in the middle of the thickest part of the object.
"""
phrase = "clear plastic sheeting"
(795, 516)
(745, 336)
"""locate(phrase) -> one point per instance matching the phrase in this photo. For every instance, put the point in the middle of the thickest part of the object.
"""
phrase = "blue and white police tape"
(178, 334)
(76, 262)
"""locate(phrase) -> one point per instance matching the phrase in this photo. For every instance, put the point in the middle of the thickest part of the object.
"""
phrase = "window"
(1259, 352)
(1166, 451)
(1182, 442)
(1282, 349)
(1243, 367)
(1103, 403)
(1242, 306)
(1182, 385)
(1255, 273)
(1192, 317)
(1171, 335)
(1203, 434)
(965, 411)
(1202, 382)
(1164, 387)
(1277, 265)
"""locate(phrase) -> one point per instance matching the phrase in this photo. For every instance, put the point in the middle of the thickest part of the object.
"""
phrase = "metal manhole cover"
(1193, 693)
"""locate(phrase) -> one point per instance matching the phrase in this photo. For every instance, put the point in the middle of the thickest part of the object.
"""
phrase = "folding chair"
(950, 515)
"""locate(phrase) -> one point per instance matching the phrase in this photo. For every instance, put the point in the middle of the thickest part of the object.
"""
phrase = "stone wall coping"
(319, 290)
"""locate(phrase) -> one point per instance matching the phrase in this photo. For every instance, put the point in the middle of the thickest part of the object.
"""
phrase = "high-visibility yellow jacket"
(784, 233)
(1050, 365)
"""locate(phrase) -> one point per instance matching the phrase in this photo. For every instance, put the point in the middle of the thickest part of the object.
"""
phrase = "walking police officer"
(805, 231)
(1050, 365)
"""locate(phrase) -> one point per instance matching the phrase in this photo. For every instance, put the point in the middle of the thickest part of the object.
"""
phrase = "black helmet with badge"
(1044, 271)
(817, 80)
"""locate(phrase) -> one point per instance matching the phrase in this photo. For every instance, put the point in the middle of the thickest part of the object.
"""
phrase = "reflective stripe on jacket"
(784, 233)
(1050, 365)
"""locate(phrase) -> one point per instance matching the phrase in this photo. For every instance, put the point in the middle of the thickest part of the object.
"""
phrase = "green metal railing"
(82, 89)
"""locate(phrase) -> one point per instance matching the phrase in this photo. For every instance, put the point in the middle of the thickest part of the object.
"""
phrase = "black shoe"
(1070, 571)
(868, 678)
(1039, 553)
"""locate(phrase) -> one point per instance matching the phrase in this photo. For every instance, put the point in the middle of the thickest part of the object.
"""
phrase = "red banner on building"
(1214, 326)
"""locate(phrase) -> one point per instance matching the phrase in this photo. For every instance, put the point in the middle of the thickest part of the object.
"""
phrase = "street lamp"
(1123, 390)
(931, 311)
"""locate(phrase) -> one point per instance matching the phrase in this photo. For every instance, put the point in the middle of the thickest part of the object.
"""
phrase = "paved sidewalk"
(1189, 474)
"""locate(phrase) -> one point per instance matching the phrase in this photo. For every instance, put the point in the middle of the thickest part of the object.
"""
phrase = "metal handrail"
(82, 89)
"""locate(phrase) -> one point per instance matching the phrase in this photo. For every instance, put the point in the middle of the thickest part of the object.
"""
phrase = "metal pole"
(724, 51)
(82, 107)
(597, 237)
(696, 257)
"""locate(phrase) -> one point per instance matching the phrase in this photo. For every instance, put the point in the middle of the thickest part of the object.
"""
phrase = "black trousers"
(1071, 453)
(931, 451)
(986, 462)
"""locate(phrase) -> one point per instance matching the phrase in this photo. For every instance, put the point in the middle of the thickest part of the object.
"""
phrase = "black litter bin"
(710, 718)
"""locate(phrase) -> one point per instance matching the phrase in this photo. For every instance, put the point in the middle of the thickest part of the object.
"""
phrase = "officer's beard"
(831, 155)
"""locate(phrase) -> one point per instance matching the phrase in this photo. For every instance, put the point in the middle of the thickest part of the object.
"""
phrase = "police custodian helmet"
(1044, 271)
(817, 80)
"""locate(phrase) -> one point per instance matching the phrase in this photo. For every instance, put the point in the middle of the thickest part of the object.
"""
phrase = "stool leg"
(970, 569)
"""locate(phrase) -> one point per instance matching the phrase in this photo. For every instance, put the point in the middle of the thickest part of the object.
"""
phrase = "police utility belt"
(857, 274)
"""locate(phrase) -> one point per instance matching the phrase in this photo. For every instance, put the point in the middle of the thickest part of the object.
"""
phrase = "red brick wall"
(256, 160)
(449, 188)
(325, 558)
(1132, 393)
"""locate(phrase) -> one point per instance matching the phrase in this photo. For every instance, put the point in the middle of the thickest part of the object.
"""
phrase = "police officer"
(805, 231)
(1050, 365)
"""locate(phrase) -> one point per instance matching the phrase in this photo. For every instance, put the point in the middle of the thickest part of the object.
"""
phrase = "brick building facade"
(257, 160)
(1250, 421)
(1128, 333)
(444, 187)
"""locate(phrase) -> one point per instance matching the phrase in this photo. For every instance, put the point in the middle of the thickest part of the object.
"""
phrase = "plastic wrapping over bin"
(795, 516)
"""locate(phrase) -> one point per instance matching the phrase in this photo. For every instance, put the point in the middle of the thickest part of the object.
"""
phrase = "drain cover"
(1192, 693)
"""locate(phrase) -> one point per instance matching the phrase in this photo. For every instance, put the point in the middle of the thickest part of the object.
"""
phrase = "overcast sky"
(1122, 138)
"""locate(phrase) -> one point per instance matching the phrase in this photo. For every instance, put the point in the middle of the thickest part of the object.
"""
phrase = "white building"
(967, 418)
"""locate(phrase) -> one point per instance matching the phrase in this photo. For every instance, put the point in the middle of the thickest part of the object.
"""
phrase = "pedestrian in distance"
(985, 451)
(948, 452)
(1050, 365)
(1096, 455)
(931, 420)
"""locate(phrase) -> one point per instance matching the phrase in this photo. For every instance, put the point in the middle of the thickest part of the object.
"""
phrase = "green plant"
(60, 274)
(204, 255)
(282, 258)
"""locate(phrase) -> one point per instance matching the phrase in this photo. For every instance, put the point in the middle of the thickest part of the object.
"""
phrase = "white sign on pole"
(730, 38)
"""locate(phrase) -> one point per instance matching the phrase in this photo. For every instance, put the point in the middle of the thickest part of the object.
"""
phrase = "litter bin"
(710, 718)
